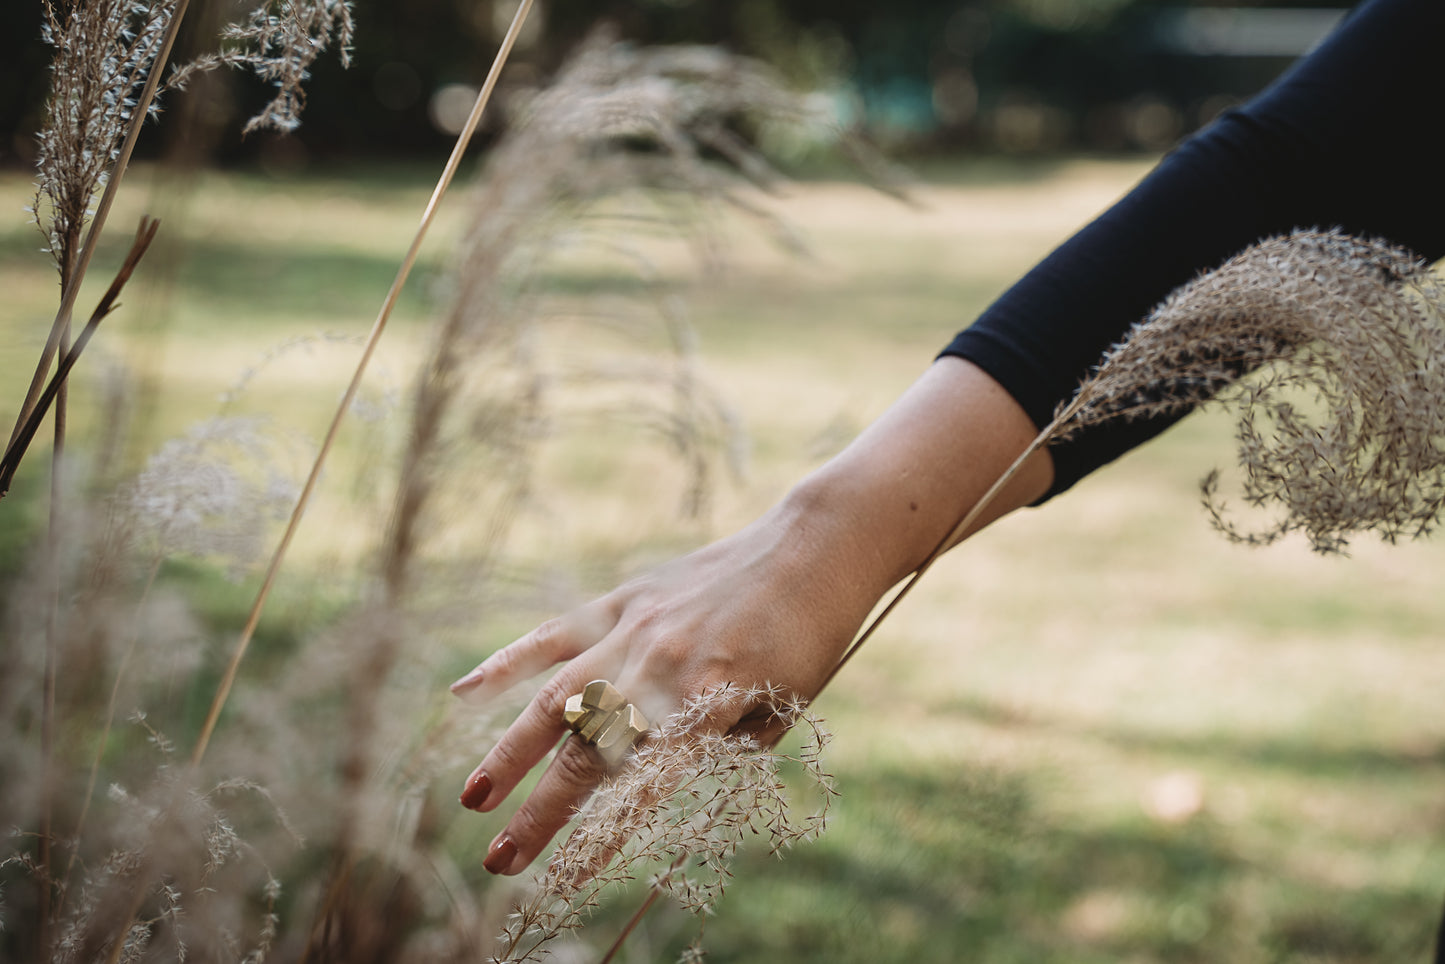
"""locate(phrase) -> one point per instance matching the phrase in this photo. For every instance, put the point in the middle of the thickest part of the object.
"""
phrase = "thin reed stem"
(653, 893)
(52, 634)
(223, 690)
(632, 922)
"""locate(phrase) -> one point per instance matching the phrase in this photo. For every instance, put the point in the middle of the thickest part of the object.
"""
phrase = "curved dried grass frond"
(676, 815)
(104, 51)
(1341, 423)
(279, 43)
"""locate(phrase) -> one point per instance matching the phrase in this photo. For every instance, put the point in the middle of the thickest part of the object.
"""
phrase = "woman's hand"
(776, 604)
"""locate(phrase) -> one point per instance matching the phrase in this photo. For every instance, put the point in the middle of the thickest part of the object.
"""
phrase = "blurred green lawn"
(1097, 733)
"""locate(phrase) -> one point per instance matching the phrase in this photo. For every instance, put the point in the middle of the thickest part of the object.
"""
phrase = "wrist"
(855, 526)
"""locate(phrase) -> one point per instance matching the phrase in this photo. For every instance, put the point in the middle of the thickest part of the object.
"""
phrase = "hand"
(765, 606)
(777, 603)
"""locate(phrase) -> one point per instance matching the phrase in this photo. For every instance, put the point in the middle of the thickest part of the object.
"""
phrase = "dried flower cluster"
(675, 815)
(1342, 423)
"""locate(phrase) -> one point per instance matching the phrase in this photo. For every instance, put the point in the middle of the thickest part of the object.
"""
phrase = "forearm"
(884, 503)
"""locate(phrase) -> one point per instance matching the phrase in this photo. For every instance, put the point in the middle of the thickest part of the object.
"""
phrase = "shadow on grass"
(1303, 756)
(977, 866)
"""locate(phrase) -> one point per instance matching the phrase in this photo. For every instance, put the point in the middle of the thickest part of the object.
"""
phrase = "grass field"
(1097, 733)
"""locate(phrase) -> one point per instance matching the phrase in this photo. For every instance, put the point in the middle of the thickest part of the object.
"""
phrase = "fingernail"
(500, 857)
(475, 793)
(468, 681)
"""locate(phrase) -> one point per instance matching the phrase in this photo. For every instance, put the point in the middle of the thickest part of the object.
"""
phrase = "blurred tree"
(1010, 74)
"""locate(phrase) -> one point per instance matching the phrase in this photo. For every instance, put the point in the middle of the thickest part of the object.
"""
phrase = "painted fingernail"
(468, 681)
(500, 857)
(475, 793)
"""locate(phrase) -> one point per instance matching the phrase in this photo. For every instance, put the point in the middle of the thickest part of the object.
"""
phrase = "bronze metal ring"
(603, 718)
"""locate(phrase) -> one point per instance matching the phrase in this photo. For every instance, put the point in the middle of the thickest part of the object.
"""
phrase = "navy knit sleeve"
(1346, 138)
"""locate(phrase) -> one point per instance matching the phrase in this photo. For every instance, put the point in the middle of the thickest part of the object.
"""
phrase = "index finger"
(555, 641)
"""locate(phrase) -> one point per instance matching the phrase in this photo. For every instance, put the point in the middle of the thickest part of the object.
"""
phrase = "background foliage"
(1015, 75)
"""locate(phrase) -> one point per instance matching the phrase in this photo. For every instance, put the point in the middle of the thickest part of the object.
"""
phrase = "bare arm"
(778, 602)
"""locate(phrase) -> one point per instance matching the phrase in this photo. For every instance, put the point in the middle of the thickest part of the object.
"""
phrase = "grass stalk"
(228, 680)
(653, 893)
(52, 634)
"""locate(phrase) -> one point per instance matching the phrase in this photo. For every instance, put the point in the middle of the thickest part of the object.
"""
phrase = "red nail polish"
(478, 788)
(504, 851)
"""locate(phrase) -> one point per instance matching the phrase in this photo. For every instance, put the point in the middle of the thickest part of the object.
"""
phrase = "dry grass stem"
(98, 71)
(25, 431)
(106, 76)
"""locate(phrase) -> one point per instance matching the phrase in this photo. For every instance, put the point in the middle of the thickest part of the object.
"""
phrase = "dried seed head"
(1341, 421)
(104, 51)
(213, 492)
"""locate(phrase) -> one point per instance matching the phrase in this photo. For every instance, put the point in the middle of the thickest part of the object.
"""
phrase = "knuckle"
(552, 697)
(550, 638)
(504, 661)
(647, 619)
(505, 758)
(527, 824)
(577, 766)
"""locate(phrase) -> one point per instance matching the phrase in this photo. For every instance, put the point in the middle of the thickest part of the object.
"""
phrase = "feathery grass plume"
(105, 78)
(626, 146)
(675, 815)
(279, 42)
(214, 492)
(1341, 425)
(612, 154)
(104, 51)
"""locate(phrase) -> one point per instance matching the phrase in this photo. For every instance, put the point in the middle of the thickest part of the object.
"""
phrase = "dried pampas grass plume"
(1342, 426)
(104, 51)
(676, 815)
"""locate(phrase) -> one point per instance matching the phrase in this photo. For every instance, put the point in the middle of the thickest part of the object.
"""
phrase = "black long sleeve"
(1347, 138)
